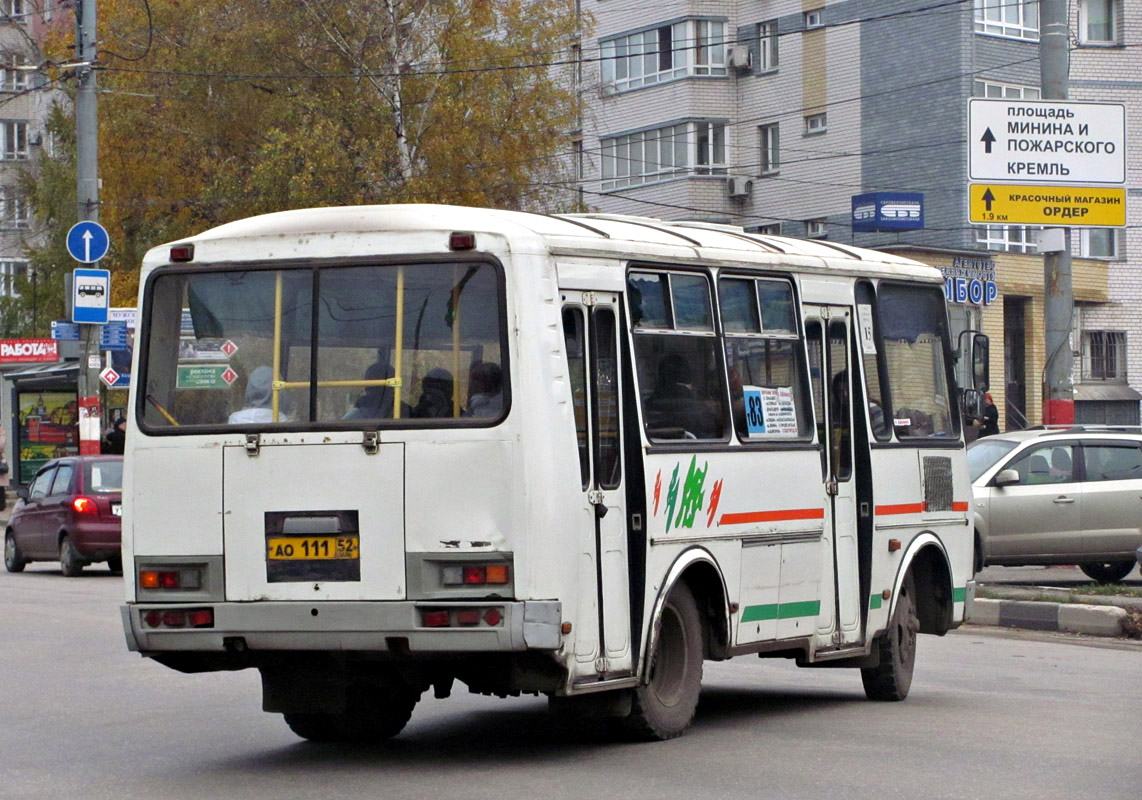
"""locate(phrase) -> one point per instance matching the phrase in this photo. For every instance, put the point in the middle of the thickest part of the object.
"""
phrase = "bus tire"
(1110, 572)
(70, 564)
(664, 707)
(891, 678)
(372, 714)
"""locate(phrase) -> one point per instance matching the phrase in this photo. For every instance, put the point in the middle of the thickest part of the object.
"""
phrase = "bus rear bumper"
(397, 627)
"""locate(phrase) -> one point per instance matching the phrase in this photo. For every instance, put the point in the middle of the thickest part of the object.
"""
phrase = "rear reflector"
(435, 619)
(179, 618)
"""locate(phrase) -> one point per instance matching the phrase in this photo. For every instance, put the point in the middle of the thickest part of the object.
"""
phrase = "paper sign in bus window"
(769, 411)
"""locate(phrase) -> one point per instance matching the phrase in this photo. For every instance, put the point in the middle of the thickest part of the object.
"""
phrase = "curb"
(1055, 617)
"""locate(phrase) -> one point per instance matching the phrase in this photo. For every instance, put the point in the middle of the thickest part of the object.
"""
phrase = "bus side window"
(574, 338)
(676, 354)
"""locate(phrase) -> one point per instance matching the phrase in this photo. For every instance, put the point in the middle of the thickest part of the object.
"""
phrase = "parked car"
(1059, 496)
(72, 510)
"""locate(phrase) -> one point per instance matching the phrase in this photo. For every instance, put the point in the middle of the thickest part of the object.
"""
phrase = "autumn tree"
(212, 110)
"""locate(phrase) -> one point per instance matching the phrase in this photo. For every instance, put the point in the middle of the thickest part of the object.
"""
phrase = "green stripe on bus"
(959, 595)
(806, 608)
(875, 602)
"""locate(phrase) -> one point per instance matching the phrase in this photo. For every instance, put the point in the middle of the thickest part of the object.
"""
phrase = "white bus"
(375, 450)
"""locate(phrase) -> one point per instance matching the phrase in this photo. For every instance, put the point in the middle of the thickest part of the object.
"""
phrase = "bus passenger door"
(828, 330)
(603, 643)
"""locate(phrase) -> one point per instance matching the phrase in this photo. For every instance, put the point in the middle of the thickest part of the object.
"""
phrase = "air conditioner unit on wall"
(740, 57)
(738, 187)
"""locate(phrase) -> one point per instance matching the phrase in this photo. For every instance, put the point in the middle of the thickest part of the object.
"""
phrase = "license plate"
(313, 548)
(117, 509)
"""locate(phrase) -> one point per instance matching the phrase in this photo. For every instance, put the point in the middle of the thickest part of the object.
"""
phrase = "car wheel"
(70, 564)
(115, 563)
(1112, 572)
(891, 678)
(14, 560)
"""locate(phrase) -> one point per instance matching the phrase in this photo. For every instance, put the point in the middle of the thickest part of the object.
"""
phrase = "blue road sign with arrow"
(87, 241)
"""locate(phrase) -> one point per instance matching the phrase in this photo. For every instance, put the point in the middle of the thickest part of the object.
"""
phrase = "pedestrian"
(990, 425)
(116, 438)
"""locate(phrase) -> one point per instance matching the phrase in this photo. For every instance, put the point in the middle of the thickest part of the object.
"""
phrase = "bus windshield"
(412, 344)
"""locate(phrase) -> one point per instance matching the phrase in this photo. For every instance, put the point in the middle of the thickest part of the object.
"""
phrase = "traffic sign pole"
(1058, 295)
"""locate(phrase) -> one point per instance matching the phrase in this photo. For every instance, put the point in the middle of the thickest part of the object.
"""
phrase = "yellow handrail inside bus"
(276, 384)
(398, 338)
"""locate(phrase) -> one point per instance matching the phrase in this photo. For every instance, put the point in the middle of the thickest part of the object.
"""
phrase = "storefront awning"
(1104, 392)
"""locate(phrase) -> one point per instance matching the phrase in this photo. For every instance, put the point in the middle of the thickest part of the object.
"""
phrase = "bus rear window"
(356, 345)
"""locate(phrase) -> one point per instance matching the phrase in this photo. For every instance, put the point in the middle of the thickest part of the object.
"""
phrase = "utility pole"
(87, 198)
(1058, 296)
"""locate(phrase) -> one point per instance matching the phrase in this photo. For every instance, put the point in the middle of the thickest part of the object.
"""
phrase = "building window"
(1018, 19)
(13, 79)
(1005, 91)
(15, 141)
(10, 273)
(816, 228)
(1099, 243)
(1007, 238)
(813, 19)
(1098, 21)
(1104, 356)
(770, 148)
(655, 155)
(13, 208)
(816, 123)
(771, 229)
(767, 41)
(15, 8)
(692, 47)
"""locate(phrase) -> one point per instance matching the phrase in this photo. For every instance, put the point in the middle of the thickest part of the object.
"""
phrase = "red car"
(72, 510)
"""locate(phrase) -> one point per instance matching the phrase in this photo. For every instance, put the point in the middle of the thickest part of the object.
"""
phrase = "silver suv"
(1059, 496)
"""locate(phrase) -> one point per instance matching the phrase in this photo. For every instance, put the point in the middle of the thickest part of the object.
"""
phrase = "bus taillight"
(179, 618)
(474, 574)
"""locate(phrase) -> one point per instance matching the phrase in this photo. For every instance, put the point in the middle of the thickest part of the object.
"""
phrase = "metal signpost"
(87, 242)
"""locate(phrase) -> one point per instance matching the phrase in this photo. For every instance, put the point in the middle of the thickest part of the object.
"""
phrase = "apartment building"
(774, 114)
(25, 100)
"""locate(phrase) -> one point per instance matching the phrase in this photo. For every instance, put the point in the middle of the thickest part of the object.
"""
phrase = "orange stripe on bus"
(904, 508)
(959, 506)
(772, 516)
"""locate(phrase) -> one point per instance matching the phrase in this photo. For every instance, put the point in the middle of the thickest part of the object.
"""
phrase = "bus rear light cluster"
(170, 579)
(460, 617)
(179, 618)
(474, 575)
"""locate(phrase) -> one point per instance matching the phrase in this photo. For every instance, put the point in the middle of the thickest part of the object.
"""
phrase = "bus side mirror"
(980, 363)
(971, 402)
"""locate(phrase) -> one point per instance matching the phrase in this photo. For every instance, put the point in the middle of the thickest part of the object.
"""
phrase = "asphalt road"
(994, 714)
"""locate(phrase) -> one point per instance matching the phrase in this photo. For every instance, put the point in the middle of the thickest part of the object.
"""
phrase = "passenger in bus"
(435, 394)
(377, 401)
(485, 390)
(259, 396)
(673, 403)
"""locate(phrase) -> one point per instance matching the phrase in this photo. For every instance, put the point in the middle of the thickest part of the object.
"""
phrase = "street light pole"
(87, 198)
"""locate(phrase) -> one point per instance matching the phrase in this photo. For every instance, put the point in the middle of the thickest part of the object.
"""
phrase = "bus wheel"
(892, 677)
(372, 714)
(1112, 572)
(664, 707)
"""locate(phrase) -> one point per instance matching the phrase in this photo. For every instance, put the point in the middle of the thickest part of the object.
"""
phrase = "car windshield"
(104, 477)
(982, 453)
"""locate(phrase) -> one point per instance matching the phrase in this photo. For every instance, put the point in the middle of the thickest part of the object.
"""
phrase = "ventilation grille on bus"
(937, 483)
